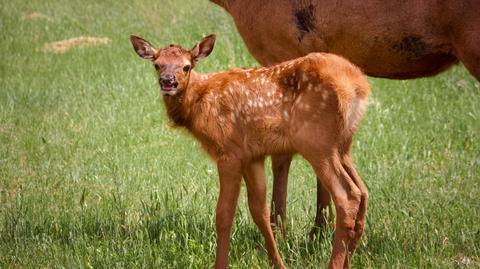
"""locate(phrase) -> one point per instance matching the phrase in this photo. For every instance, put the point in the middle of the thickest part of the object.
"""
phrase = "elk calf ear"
(143, 48)
(203, 48)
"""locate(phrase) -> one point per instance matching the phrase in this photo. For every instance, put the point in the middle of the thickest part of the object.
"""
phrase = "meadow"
(93, 176)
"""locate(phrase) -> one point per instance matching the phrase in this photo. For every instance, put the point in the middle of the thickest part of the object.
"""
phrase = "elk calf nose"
(167, 79)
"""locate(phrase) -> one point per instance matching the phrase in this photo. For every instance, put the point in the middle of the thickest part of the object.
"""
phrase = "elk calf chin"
(311, 106)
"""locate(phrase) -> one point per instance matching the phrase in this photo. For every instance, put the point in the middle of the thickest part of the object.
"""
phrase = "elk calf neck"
(311, 105)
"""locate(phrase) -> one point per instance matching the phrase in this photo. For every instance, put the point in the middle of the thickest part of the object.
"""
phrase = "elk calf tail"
(353, 111)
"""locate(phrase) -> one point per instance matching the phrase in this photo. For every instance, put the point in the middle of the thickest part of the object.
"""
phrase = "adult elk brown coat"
(390, 39)
(311, 106)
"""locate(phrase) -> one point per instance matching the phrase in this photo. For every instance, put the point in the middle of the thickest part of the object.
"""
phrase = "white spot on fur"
(309, 87)
(325, 95)
(304, 77)
(299, 100)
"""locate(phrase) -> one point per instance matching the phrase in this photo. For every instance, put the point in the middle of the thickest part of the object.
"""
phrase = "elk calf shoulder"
(311, 105)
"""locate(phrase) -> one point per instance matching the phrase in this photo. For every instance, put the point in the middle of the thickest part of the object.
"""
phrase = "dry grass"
(81, 41)
(35, 16)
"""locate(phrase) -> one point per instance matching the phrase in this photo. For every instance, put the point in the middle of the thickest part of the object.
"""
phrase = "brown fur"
(311, 106)
(390, 39)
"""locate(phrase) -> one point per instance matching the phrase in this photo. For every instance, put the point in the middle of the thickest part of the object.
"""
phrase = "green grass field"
(92, 176)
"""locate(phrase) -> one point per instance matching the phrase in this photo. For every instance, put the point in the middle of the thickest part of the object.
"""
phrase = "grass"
(92, 176)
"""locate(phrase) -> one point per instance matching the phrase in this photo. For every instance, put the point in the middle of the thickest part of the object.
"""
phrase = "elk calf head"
(173, 63)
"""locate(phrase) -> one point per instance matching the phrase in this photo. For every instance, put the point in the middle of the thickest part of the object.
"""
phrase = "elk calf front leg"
(230, 182)
(257, 202)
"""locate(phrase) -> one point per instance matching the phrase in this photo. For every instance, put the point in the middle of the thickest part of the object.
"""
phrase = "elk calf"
(311, 106)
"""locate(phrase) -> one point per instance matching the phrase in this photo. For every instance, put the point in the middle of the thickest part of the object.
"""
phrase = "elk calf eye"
(186, 68)
(156, 66)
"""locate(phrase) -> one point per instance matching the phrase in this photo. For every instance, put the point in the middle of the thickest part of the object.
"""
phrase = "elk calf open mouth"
(168, 87)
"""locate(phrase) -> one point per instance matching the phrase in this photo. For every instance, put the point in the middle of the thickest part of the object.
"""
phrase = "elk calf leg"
(347, 197)
(324, 213)
(230, 182)
(280, 167)
(257, 202)
(362, 212)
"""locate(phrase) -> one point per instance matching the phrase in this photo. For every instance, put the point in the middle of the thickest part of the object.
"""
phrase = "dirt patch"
(34, 16)
(81, 41)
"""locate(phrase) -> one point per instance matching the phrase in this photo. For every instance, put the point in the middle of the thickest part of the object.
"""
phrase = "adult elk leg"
(230, 182)
(467, 46)
(257, 202)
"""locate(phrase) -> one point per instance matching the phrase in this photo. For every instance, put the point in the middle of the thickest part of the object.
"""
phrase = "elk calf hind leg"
(280, 167)
(324, 213)
(347, 199)
(361, 215)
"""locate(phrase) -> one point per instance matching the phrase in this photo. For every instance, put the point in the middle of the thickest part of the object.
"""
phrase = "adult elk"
(311, 106)
(389, 39)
